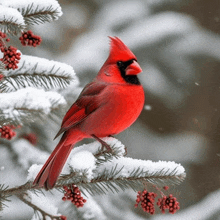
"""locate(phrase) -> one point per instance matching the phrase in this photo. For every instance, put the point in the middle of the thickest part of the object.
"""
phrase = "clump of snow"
(11, 14)
(40, 5)
(32, 99)
(33, 171)
(32, 154)
(127, 165)
(82, 158)
(82, 161)
(95, 147)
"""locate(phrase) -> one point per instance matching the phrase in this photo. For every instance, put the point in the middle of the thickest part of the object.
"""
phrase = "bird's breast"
(120, 106)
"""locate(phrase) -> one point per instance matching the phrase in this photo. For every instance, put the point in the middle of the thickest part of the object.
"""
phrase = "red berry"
(28, 38)
(7, 132)
(147, 201)
(73, 194)
(168, 203)
(62, 217)
(166, 187)
(32, 138)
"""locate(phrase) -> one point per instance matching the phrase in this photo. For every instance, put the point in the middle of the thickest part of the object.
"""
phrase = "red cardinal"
(106, 106)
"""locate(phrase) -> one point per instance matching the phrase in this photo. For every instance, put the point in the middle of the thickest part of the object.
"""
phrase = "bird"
(107, 105)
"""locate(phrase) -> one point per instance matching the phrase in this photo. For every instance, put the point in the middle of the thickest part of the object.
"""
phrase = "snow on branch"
(25, 103)
(11, 20)
(36, 12)
(97, 171)
(38, 72)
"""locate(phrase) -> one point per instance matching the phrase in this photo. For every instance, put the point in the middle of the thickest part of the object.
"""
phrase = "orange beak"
(133, 69)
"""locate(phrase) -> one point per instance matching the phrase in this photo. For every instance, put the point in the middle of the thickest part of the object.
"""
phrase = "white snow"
(39, 5)
(32, 154)
(11, 14)
(95, 146)
(33, 171)
(127, 165)
(82, 161)
(32, 99)
(31, 64)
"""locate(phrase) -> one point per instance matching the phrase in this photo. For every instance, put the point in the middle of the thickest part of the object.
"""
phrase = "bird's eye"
(120, 63)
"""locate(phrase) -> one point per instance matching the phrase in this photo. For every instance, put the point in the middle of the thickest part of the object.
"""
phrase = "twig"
(24, 198)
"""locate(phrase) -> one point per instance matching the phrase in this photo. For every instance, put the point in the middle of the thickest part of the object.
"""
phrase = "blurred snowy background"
(177, 44)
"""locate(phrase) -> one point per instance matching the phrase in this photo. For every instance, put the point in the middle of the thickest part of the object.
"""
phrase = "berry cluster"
(147, 200)
(11, 56)
(168, 203)
(31, 137)
(7, 132)
(73, 194)
(29, 39)
(63, 217)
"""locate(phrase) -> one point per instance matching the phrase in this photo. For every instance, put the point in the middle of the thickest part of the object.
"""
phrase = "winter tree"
(34, 93)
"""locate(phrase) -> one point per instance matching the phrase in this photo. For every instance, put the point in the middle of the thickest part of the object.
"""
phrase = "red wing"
(84, 106)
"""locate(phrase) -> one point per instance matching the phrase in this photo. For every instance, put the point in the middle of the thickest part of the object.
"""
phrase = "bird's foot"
(108, 148)
(104, 144)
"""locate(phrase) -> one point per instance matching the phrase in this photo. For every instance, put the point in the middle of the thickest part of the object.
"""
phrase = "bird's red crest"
(119, 51)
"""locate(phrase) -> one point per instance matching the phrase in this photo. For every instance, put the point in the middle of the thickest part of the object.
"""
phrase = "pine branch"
(114, 173)
(40, 15)
(106, 181)
(27, 105)
(3, 197)
(37, 72)
(35, 12)
(11, 21)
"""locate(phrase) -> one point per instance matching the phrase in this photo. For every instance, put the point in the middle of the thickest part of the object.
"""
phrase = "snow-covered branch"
(25, 103)
(38, 72)
(36, 12)
(98, 172)
(11, 20)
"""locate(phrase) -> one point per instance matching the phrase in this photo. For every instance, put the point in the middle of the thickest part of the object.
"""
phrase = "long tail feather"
(54, 164)
(57, 166)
